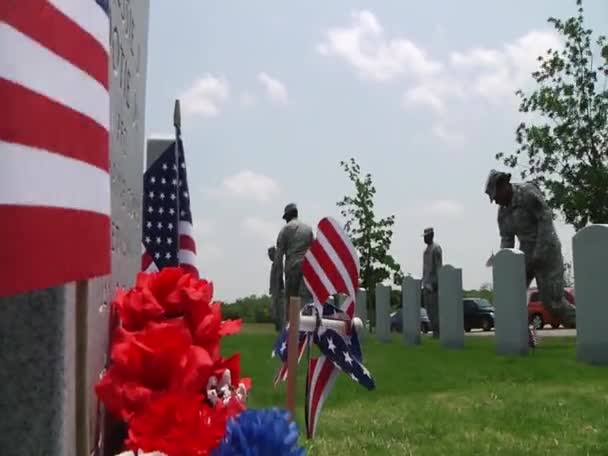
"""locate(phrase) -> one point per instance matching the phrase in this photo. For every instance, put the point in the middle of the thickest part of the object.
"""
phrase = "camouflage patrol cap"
(492, 180)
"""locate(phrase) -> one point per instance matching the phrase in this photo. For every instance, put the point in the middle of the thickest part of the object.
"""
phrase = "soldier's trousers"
(279, 310)
(295, 286)
(550, 283)
(431, 303)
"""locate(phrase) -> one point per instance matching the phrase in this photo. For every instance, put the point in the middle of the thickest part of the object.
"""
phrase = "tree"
(371, 236)
(567, 149)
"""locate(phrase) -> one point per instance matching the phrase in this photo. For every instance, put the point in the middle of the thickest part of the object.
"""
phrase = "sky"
(275, 94)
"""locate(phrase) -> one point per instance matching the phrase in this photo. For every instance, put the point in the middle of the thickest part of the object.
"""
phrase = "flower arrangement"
(167, 380)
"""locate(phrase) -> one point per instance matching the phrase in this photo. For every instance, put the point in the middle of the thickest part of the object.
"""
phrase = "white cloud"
(246, 100)
(275, 89)
(262, 229)
(365, 46)
(205, 96)
(423, 95)
(446, 136)
(248, 185)
(203, 228)
(444, 207)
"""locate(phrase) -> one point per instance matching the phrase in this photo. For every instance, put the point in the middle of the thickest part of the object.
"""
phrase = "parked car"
(478, 313)
(538, 316)
(397, 321)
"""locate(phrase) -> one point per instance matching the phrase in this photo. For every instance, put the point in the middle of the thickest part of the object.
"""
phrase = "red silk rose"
(177, 424)
(164, 351)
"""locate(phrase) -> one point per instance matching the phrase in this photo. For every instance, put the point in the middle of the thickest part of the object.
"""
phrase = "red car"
(538, 316)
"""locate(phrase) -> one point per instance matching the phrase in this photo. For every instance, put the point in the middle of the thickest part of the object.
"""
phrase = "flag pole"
(177, 123)
(81, 384)
(292, 354)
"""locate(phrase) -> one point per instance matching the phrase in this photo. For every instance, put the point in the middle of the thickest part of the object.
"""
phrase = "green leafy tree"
(371, 236)
(565, 152)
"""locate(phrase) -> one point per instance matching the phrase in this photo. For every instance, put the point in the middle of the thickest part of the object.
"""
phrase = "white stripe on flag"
(185, 229)
(326, 389)
(331, 253)
(89, 16)
(320, 273)
(35, 177)
(347, 241)
(28, 63)
(187, 257)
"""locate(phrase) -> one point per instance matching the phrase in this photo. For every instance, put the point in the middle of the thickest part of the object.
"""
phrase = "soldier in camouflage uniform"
(432, 260)
(523, 213)
(277, 290)
(293, 242)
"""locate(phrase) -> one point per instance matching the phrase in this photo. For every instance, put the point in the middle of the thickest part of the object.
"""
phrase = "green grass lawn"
(433, 401)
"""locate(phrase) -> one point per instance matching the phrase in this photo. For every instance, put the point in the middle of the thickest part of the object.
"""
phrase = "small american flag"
(54, 143)
(167, 237)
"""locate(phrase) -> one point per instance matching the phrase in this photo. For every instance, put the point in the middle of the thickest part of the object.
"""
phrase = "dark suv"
(478, 313)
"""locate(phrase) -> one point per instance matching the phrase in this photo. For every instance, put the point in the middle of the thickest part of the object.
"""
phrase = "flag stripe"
(329, 268)
(40, 20)
(58, 254)
(343, 247)
(323, 378)
(25, 61)
(87, 140)
(338, 265)
(33, 177)
(328, 287)
(89, 16)
(187, 243)
(187, 257)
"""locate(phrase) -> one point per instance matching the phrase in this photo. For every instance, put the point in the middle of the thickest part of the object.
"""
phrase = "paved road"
(542, 333)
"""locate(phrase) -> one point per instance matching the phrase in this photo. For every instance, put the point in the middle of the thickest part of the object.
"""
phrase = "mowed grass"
(433, 401)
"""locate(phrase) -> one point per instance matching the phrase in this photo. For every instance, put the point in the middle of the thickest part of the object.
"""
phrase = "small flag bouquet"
(168, 383)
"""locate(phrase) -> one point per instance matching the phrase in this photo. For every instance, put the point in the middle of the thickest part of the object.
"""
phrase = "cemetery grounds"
(433, 401)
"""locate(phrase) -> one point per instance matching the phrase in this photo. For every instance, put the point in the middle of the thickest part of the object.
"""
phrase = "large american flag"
(54, 143)
(167, 237)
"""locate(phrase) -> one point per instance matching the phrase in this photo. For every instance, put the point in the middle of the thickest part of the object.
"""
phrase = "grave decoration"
(170, 385)
(330, 266)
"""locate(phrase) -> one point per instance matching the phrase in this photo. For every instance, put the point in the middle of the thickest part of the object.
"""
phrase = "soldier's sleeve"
(278, 257)
(507, 237)
(438, 254)
(545, 230)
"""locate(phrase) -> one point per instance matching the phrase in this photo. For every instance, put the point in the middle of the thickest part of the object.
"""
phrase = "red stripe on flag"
(41, 20)
(39, 122)
(339, 245)
(329, 268)
(318, 289)
(146, 261)
(319, 390)
(74, 246)
(187, 243)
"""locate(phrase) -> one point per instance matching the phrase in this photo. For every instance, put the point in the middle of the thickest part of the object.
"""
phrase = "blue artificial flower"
(261, 433)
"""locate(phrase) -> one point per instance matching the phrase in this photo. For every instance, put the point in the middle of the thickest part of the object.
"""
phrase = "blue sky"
(275, 94)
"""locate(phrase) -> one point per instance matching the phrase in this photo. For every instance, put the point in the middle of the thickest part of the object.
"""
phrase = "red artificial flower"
(121, 398)
(136, 308)
(177, 424)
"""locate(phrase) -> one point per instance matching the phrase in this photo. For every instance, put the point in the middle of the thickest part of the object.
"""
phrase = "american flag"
(167, 237)
(54, 143)
(331, 266)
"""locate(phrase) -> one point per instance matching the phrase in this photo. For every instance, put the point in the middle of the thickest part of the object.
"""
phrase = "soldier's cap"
(492, 180)
(288, 209)
(428, 231)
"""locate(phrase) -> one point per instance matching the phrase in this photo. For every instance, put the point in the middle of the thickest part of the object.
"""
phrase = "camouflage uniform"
(530, 219)
(293, 242)
(432, 260)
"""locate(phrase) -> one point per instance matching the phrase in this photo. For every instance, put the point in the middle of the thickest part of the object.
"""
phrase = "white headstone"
(451, 324)
(383, 304)
(590, 255)
(511, 314)
(410, 308)
(361, 306)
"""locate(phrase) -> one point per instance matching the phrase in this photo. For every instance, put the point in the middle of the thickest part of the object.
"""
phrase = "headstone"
(511, 314)
(37, 343)
(361, 306)
(590, 255)
(451, 313)
(410, 310)
(383, 304)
